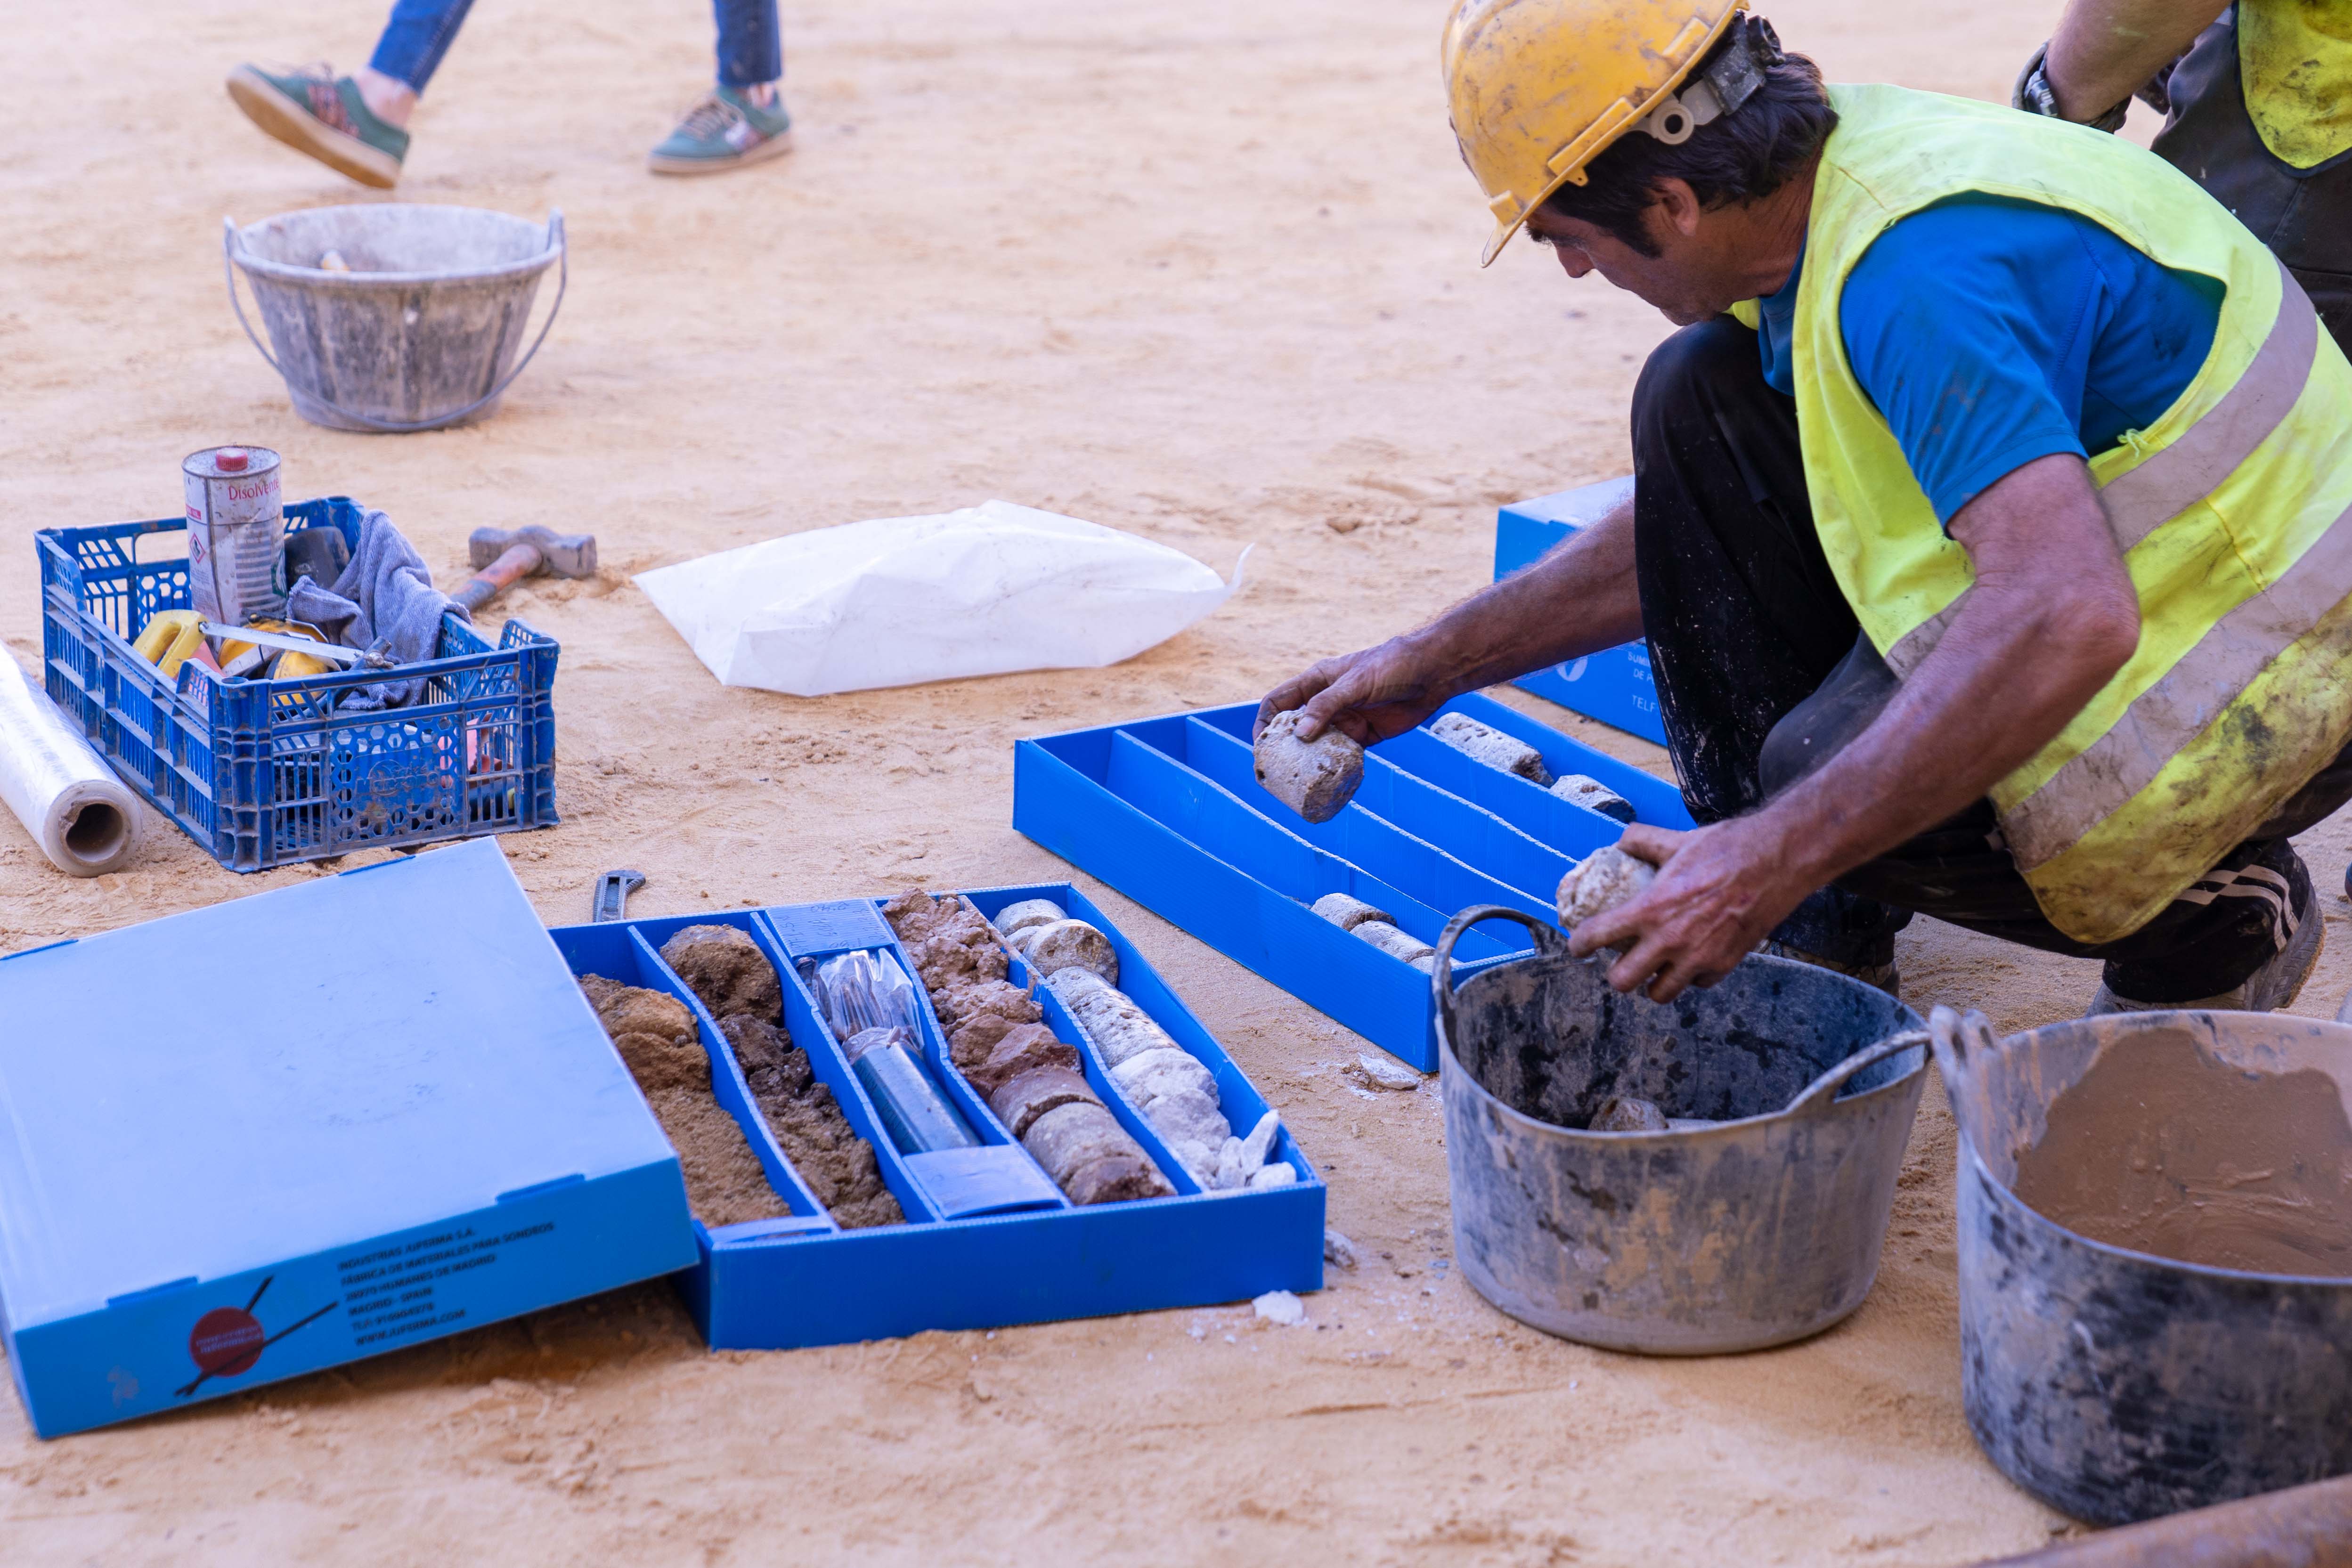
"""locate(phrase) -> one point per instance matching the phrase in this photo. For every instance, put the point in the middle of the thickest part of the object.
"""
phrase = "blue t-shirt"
(1991, 333)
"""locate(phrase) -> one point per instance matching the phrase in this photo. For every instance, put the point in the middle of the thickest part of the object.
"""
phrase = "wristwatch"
(2032, 95)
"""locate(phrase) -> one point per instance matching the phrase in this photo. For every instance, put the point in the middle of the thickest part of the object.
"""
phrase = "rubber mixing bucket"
(423, 330)
(2114, 1384)
(1759, 1230)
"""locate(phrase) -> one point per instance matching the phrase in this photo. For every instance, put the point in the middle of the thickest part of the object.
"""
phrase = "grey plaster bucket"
(1758, 1231)
(2113, 1385)
(422, 332)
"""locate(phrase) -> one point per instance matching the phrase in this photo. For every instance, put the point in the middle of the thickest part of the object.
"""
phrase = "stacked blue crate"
(1613, 685)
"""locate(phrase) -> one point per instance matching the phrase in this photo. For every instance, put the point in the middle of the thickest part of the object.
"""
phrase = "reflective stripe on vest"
(2233, 511)
(2175, 479)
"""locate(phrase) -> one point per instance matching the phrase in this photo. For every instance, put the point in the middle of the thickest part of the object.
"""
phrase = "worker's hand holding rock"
(1720, 890)
(1367, 695)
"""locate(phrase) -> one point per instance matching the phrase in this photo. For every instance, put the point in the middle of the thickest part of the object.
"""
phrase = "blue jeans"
(751, 40)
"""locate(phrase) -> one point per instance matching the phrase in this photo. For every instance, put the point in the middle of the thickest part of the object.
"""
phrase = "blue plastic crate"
(1169, 812)
(1613, 685)
(989, 1239)
(262, 773)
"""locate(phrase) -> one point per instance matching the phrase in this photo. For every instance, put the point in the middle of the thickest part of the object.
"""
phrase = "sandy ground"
(1205, 271)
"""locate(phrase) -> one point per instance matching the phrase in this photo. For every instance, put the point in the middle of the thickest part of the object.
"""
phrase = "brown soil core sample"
(722, 964)
(839, 1167)
(2163, 1150)
(725, 1183)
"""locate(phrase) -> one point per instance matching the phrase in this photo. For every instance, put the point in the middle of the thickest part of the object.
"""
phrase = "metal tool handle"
(563, 281)
(1441, 975)
(1823, 1090)
(610, 899)
(520, 561)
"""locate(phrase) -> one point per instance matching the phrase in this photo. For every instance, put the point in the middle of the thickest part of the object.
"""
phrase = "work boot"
(2273, 986)
(1886, 976)
(1845, 933)
(319, 112)
(726, 131)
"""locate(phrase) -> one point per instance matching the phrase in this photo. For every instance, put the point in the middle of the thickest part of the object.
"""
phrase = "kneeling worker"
(1992, 520)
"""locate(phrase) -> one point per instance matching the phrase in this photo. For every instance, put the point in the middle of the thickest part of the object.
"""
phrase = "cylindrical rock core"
(1314, 777)
(1347, 913)
(1593, 796)
(1486, 744)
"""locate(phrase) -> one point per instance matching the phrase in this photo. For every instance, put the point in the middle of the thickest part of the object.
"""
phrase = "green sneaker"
(319, 112)
(725, 131)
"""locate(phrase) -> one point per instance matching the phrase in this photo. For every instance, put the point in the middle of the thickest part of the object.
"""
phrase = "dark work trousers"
(2305, 216)
(1762, 675)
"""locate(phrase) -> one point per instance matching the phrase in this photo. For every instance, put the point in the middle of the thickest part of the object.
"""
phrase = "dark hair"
(1739, 158)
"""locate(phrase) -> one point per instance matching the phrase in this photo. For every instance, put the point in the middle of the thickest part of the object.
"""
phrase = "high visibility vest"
(2295, 56)
(2234, 511)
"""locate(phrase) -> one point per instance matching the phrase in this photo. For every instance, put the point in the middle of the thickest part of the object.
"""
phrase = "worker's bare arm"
(2051, 617)
(1577, 599)
(2106, 50)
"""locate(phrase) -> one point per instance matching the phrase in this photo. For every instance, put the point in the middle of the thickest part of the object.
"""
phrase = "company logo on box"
(228, 1341)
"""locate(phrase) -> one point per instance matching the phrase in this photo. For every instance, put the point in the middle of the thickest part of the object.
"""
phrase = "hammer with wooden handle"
(501, 555)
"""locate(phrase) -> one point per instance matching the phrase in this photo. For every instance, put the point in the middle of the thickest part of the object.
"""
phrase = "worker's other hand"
(1367, 695)
(1720, 891)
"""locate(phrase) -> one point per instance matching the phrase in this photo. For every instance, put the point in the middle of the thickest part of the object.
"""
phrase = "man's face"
(1686, 279)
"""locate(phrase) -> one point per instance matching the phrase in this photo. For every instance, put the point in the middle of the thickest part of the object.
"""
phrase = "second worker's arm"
(2106, 50)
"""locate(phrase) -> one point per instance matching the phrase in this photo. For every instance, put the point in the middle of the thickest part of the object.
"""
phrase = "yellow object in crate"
(168, 638)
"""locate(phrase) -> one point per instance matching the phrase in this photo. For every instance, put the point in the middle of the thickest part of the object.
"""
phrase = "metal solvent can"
(236, 534)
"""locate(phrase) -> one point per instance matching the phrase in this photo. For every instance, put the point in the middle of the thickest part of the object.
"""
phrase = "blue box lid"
(300, 1071)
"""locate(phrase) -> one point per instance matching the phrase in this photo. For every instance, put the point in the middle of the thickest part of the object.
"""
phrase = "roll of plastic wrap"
(73, 805)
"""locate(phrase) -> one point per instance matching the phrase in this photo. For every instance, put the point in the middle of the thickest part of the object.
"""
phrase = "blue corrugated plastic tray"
(1613, 685)
(990, 1240)
(1169, 812)
(306, 1126)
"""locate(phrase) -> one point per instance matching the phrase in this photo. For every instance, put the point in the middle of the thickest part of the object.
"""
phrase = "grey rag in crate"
(385, 597)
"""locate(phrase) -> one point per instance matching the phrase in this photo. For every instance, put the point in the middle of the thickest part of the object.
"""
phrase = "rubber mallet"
(502, 555)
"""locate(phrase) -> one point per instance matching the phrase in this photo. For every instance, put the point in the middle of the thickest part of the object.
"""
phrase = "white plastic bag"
(898, 600)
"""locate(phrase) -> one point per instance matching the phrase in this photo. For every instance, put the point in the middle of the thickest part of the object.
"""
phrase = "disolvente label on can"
(237, 529)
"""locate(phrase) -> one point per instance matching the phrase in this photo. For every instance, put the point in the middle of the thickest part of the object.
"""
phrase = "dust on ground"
(1206, 271)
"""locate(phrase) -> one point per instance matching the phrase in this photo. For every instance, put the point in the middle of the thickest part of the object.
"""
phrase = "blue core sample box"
(1169, 812)
(989, 1239)
(307, 1126)
(1613, 685)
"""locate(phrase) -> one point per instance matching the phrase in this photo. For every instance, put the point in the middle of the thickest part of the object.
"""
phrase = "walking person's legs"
(742, 120)
(356, 125)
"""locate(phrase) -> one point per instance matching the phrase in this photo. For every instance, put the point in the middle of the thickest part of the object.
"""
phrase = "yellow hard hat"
(1539, 88)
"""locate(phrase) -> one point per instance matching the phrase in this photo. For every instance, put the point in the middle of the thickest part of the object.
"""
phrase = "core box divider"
(1482, 843)
(777, 1285)
(639, 944)
(1169, 812)
(806, 1026)
(1201, 810)
(960, 1183)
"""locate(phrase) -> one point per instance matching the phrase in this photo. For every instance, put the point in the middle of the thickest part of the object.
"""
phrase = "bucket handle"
(1957, 1038)
(563, 280)
(1817, 1094)
(1441, 975)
